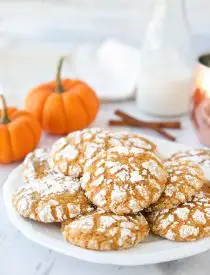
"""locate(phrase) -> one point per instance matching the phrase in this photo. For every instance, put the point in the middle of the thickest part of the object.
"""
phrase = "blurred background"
(33, 34)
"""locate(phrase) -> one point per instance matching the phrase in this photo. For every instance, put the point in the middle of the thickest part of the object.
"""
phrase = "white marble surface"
(20, 256)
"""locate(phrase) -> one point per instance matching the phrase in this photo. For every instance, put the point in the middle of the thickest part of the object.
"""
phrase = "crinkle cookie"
(188, 222)
(69, 154)
(51, 199)
(200, 157)
(184, 180)
(123, 180)
(125, 139)
(105, 231)
(35, 165)
(197, 156)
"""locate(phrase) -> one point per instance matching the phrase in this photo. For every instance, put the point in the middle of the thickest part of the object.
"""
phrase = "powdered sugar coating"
(69, 154)
(129, 182)
(105, 231)
(35, 165)
(53, 198)
(200, 157)
(184, 180)
(188, 222)
(197, 156)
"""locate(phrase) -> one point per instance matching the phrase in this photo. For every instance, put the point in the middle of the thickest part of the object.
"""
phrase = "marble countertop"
(20, 256)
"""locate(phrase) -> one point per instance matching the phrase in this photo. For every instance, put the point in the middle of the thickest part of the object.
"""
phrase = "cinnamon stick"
(149, 124)
(165, 134)
(159, 130)
(128, 120)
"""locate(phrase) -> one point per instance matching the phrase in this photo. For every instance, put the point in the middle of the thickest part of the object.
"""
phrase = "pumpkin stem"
(4, 114)
(59, 85)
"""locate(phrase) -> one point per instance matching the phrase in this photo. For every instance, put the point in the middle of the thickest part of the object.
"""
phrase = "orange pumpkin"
(63, 106)
(19, 133)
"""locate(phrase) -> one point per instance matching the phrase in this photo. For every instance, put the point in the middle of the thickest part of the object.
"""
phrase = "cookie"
(184, 180)
(200, 157)
(190, 221)
(69, 154)
(123, 180)
(197, 156)
(125, 139)
(105, 231)
(51, 199)
(35, 165)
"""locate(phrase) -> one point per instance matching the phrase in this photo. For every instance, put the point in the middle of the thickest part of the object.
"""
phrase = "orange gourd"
(63, 105)
(19, 133)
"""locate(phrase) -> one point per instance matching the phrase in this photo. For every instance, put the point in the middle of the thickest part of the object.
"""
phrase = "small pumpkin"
(19, 133)
(64, 105)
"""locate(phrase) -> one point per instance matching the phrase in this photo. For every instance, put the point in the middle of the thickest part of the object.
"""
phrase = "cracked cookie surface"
(124, 180)
(190, 221)
(69, 154)
(184, 180)
(105, 231)
(35, 165)
(51, 199)
(196, 156)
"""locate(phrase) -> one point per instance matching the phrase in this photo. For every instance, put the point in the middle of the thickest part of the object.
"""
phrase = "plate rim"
(176, 253)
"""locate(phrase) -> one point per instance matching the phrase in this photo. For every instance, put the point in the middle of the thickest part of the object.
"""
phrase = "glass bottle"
(166, 63)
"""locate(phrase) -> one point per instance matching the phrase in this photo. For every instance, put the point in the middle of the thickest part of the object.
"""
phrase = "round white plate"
(152, 250)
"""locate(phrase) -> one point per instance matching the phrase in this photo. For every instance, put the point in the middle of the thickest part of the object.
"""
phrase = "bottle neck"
(168, 26)
(175, 5)
(174, 10)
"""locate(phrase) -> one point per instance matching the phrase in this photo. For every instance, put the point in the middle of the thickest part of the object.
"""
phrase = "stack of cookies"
(107, 189)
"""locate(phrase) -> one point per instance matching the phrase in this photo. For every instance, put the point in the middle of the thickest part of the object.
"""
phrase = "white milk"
(164, 85)
(167, 98)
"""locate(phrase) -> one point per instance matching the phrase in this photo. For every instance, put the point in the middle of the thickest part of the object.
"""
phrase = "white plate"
(152, 250)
